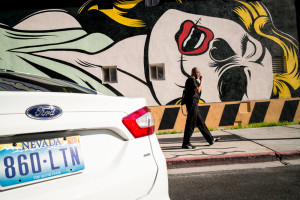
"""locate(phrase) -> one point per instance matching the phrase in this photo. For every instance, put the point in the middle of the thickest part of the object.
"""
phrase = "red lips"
(193, 39)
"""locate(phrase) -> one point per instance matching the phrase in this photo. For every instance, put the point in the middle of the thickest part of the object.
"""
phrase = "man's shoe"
(193, 147)
(188, 146)
(216, 139)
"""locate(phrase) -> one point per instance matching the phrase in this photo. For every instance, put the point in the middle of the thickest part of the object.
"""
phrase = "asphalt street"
(263, 181)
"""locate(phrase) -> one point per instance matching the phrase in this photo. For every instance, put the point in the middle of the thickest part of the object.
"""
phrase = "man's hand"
(199, 88)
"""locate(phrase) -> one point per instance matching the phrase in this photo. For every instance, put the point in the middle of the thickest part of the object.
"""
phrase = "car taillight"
(140, 123)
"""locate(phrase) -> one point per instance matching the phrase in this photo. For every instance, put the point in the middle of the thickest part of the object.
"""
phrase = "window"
(157, 72)
(150, 3)
(278, 64)
(110, 74)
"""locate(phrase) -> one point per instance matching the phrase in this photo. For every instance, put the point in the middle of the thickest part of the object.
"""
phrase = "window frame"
(279, 64)
(109, 68)
(156, 66)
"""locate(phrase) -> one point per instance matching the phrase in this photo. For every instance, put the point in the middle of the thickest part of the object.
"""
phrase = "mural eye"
(232, 84)
(193, 39)
(221, 50)
(248, 47)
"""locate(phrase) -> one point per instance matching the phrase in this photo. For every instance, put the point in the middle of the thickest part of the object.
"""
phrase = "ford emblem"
(44, 112)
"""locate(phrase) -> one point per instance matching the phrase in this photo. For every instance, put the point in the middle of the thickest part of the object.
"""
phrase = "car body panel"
(110, 171)
(116, 164)
(79, 111)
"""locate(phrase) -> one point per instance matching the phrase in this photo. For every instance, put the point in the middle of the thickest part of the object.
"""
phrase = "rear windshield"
(24, 82)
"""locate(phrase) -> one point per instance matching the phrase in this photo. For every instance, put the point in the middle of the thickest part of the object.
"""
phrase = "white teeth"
(200, 41)
(188, 38)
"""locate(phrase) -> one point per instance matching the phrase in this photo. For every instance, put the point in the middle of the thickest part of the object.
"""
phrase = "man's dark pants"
(194, 119)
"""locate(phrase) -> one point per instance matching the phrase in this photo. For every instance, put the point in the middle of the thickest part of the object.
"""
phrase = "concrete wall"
(233, 43)
(225, 115)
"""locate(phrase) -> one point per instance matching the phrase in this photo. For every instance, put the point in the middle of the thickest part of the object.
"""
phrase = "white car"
(59, 140)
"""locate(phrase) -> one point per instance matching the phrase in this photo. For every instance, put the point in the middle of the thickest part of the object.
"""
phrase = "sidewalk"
(236, 146)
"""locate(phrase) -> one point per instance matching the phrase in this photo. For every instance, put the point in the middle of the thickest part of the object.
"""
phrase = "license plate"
(29, 161)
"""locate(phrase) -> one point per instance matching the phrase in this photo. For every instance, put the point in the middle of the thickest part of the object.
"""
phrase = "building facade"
(246, 50)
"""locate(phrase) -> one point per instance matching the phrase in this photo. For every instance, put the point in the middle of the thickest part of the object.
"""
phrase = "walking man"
(193, 89)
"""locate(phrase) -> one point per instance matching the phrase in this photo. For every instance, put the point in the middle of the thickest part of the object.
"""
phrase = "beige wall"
(276, 108)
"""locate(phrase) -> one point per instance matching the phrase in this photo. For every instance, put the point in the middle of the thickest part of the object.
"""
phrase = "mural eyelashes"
(244, 44)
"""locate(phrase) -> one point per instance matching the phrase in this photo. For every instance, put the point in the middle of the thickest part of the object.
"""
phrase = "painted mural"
(232, 44)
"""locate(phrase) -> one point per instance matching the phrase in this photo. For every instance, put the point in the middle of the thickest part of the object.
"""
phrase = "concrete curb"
(232, 159)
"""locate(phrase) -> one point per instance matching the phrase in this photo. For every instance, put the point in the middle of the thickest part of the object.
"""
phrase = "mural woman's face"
(234, 65)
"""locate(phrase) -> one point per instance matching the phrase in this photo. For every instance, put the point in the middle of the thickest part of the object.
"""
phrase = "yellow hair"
(117, 14)
(255, 17)
(180, 100)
